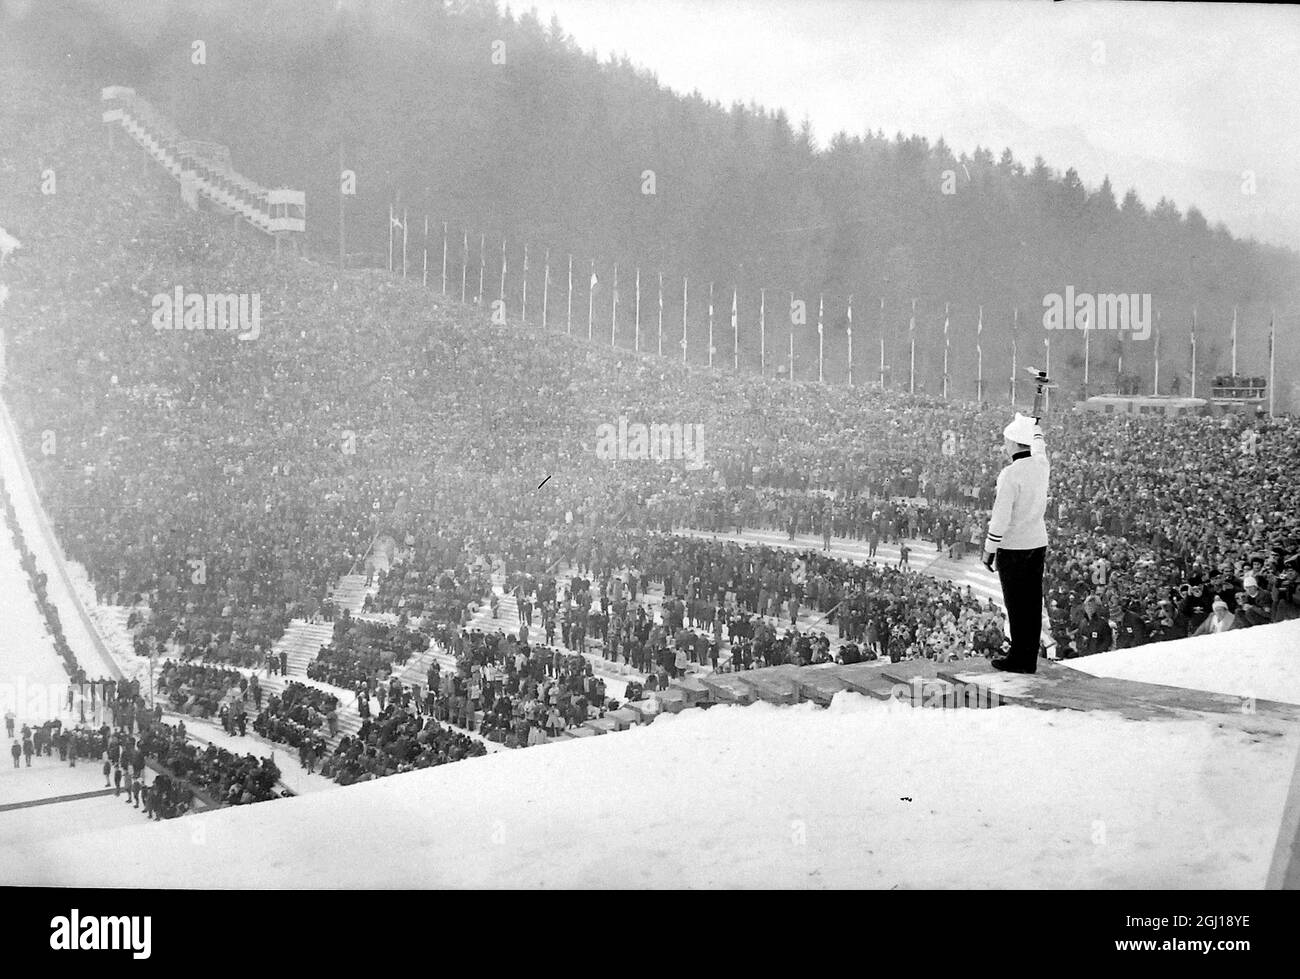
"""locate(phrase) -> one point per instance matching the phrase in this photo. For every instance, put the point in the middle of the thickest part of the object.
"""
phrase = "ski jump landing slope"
(865, 793)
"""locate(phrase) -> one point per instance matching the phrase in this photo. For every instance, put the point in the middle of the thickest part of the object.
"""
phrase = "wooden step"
(729, 688)
(692, 688)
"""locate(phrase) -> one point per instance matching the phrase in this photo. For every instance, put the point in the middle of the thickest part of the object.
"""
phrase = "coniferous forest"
(501, 126)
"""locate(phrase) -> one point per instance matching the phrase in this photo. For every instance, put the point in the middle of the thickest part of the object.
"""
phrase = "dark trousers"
(1021, 574)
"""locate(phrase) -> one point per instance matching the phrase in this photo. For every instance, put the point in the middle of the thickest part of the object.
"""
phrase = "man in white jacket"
(1016, 544)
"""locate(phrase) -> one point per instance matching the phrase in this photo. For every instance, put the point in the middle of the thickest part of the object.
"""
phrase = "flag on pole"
(1156, 357)
(945, 350)
(591, 300)
(482, 262)
(1015, 333)
(1270, 363)
(661, 314)
(911, 329)
(882, 343)
(1193, 351)
(979, 358)
(686, 282)
(711, 347)
(405, 223)
(849, 331)
(821, 360)
(523, 306)
(546, 285)
(1234, 344)
(735, 333)
(1087, 334)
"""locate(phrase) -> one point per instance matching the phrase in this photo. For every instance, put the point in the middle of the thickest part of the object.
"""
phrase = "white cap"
(1022, 429)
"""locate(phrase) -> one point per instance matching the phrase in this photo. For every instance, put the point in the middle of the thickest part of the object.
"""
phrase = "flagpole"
(979, 359)
(391, 219)
(568, 316)
(613, 311)
(444, 258)
(850, 331)
(685, 292)
(464, 262)
(735, 334)
(661, 314)
(546, 285)
(636, 314)
(882, 343)
(821, 341)
(1271, 346)
(343, 261)
(406, 223)
(1156, 386)
(762, 332)
(482, 262)
(1047, 392)
(1194, 352)
(425, 263)
(591, 299)
(911, 383)
(503, 274)
(1234, 344)
(1087, 335)
(791, 362)
(710, 326)
(945, 351)
(523, 305)
(1015, 332)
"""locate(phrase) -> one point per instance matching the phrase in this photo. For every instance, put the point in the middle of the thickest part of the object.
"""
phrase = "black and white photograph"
(651, 445)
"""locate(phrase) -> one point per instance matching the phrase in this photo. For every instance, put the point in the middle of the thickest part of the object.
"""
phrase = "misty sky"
(1174, 98)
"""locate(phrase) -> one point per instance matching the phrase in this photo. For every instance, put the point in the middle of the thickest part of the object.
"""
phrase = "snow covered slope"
(865, 794)
(1263, 662)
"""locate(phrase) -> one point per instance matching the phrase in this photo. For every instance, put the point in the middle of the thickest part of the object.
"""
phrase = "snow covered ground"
(864, 794)
(32, 676)
(85, 642)
(1263, 663)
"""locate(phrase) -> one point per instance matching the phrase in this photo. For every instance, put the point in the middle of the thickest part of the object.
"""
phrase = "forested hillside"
(500, 125)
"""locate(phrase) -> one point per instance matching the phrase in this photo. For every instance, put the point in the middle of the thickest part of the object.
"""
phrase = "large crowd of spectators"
(361, 651)
(219, 487)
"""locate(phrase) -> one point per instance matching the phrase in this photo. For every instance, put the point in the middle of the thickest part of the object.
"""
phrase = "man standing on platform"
(1017, 540)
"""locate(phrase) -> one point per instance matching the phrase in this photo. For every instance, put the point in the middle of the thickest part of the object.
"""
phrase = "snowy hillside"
(1263, 663)
(865, 794)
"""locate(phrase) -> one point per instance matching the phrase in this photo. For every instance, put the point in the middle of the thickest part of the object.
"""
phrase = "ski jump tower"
(204, 170)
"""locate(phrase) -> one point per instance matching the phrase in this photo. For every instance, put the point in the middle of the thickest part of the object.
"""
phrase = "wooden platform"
(729, 688)
(968, 683)
(1057, 687)
(866, 679)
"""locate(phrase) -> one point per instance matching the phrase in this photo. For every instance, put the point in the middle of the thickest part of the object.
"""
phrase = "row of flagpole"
(403, 224)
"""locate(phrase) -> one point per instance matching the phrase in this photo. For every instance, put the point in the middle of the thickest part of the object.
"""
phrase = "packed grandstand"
(219, 491)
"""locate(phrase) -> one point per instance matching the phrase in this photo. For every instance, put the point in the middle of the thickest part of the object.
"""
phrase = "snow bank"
(867, 794)
(1262, 662)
